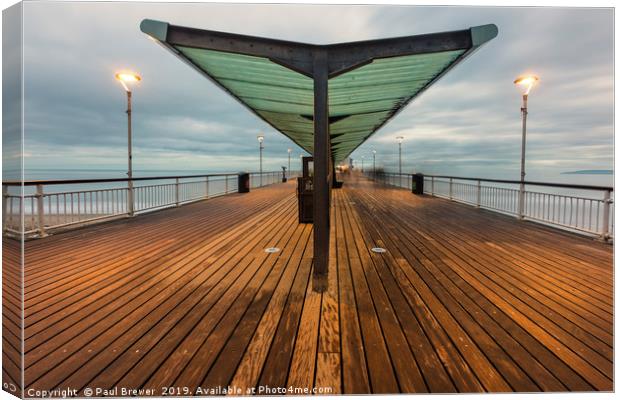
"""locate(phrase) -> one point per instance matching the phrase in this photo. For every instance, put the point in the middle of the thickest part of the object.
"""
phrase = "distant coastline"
(590, 172)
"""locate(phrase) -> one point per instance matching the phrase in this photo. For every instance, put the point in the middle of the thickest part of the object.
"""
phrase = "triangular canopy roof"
(369, 81)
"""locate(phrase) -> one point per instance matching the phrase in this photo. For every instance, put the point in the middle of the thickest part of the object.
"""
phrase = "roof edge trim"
(155, 29)
(482, 34)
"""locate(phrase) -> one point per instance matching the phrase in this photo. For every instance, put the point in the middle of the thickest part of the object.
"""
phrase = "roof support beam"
(344, 57)
(322, 165)
(294, 55)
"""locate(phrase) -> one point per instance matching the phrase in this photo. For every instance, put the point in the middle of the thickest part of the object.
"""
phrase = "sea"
(97, 198)
(603, 178)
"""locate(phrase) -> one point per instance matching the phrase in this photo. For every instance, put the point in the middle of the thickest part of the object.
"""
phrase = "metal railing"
(47, 205)
(393, 179)
(266, 178)
(580, 208)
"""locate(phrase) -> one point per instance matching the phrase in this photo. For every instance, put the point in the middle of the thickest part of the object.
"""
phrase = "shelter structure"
(328, 99)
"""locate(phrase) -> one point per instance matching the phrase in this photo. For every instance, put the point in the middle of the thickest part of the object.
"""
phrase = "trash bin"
(304, 200)
(417, 183)
(243, 182)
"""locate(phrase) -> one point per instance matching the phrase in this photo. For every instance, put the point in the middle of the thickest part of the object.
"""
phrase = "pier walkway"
(463, 300)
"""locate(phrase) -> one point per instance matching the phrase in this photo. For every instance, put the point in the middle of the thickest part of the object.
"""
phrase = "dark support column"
(322, 165)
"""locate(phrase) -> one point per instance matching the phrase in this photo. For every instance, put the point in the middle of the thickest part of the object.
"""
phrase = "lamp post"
(260, 138)
(127, 78)
(526, 82)
(374, 169)
(289, 162)
(362, 164)
(400, 139)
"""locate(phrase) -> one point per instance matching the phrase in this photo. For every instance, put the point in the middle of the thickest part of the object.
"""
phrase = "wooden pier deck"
(464, 300)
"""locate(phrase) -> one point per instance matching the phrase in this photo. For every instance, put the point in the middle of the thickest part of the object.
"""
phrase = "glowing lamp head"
(260, 138)
(400, 139)
(527, 82)
(289, 151)
(126, 78)
(374, 152)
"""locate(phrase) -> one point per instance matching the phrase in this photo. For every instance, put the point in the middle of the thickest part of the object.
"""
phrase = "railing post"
(176, 191)
(207, 187)
(226, 188)
(478, 195)
(130, 209)
(521, 199)
(5, 201)
(605, 234)
(450, 190)
(40, 211)
(432, 185)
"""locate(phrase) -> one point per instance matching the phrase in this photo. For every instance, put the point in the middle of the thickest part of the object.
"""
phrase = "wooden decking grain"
(462, 300)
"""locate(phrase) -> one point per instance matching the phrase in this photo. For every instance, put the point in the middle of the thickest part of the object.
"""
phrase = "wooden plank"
(202, 307)
(127, 284)
(355, 377)
(492, 290)
(380, 369)
(45, 254)
(276, 367)
(171, 287)
(195, 371)
(435, 375)
(89, 266)
(202, 356)
(302, 367)
(328, 373)
(249, 371)
(406, 367)
(394, 245)
(231, 355)
(581, 323)
(413, 235)
(329, 362)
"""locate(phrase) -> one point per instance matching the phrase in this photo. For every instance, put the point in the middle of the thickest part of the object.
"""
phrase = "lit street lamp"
(289, 162)
(400, 158)
(128, 78)
(527, 82)
(260, 138)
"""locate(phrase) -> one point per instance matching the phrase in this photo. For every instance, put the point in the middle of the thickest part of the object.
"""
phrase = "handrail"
(33, 214)
(103, 180)
(565, 209)
(534, 183)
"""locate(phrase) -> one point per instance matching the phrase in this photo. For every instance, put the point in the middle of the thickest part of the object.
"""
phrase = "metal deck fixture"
(286, 84)
(378, 250)
(272, 250)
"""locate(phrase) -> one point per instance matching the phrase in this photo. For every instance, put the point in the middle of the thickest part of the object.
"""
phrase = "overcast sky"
(467, 124)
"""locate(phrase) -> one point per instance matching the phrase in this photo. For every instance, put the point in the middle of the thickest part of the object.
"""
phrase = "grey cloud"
(468, 123)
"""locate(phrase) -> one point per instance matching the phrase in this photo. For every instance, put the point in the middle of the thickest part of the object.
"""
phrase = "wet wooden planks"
(496, 287)
(462, 301)
(12, 289)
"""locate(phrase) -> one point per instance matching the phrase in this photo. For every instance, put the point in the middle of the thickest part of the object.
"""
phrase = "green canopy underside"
(360, 101)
